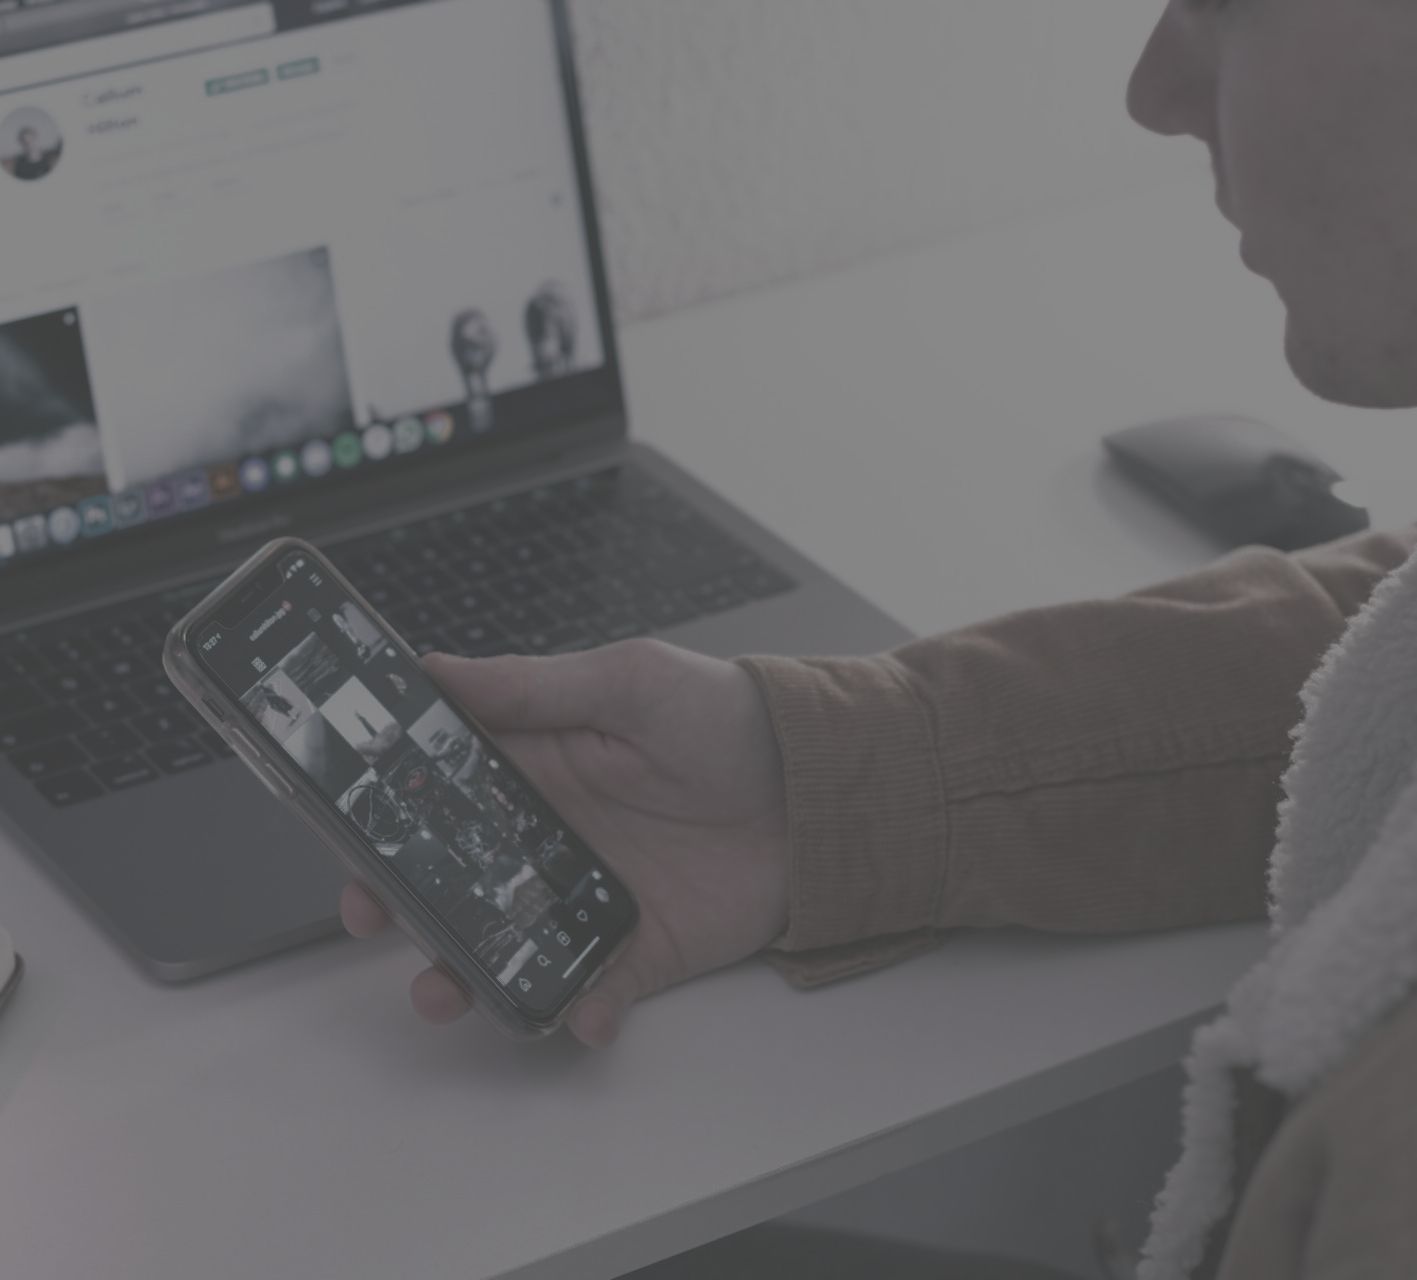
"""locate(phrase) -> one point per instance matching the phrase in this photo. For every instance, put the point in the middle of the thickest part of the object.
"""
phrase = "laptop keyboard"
(85, 707)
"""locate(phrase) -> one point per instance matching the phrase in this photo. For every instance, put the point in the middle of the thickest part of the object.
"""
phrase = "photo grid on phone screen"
(374, 734)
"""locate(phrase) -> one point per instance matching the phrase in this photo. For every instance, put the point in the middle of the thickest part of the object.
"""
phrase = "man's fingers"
(561, 691)
(437, 997)
(362, 915)
(599, 1014)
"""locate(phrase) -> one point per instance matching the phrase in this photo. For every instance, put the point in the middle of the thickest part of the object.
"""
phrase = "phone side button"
(277, 785)
(270, 779)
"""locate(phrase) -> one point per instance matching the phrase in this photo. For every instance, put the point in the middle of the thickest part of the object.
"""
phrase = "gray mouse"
(1242, 480)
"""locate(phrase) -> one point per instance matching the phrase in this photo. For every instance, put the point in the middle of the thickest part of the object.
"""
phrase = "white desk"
(296, 1120)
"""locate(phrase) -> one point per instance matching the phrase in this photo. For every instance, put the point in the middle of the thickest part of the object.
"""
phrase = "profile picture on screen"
(550, 323)
(473, 344)
(30, 144)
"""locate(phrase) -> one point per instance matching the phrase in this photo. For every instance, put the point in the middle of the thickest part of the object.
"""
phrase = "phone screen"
(448, 814)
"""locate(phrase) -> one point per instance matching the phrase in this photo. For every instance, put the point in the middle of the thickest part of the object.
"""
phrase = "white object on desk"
(296, 1120)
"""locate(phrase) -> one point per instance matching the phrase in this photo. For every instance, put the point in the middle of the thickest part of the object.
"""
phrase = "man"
(1106, 765)
(473, 344)
(33, 161)
(550, 323)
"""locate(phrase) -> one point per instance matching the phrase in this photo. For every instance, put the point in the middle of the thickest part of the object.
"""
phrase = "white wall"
(738, 142)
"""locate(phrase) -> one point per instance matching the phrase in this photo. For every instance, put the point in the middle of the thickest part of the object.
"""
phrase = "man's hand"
(665, 761)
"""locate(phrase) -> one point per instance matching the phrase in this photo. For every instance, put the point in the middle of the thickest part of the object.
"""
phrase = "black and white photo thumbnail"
(563, 867)
(332, 764)
(214, 367)
(314, 669)
(50, 451)
(407, 693)
(362, 721)
(378, 813)
(513, 886)
(550, 324)
(30, 144)
(448, 741)
(278, 704)
(357, 630)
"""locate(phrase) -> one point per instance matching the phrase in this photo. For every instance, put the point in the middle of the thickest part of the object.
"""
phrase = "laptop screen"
(249, 247)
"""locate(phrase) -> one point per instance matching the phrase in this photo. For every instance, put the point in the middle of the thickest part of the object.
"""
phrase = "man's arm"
(1104, 766)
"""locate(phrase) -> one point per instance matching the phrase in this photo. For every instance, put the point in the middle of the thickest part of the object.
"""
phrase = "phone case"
(1241, 480)
(285, 781)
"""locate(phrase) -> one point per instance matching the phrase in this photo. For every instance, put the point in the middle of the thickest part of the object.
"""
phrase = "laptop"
(328, 267)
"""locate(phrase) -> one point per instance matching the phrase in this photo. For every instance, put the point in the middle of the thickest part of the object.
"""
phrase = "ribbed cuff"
(831, 964)
(866, 812)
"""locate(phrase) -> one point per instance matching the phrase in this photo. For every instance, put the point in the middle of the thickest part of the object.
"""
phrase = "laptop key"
(476, 634)
(561, 544)
(65, 789)
(69, 685)
(39, 726)
(122, 772)
(472, 540)
(559, 640)
(763, 581)
(108, 740)
(17, 696)
(611, 590)
(53, 757)
(113, 705)
(670, 610)
(528, 554)
(128, 666)
(689, 568)
(178, 756)
(427, 553)
(471, 570)
(367, 567)
(467, 605)
(521, 620)
(385, 592)
(570, 605)
(718, 595)
(153, 692)
(72, 650)
(162, 726)
(617, 625)
(521, 588)
(25, 663)
(566, 575)
(423, 616)
(119, 635)
(430, 582)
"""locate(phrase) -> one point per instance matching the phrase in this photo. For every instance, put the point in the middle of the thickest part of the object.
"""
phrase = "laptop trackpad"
(203, 872)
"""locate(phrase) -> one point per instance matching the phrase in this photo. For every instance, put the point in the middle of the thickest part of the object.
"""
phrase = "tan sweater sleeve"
(1104, 766)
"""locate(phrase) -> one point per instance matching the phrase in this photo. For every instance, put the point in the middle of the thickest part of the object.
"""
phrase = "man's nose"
(1172, 90)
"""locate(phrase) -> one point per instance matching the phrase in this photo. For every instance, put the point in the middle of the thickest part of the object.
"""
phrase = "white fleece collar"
(1343, 911)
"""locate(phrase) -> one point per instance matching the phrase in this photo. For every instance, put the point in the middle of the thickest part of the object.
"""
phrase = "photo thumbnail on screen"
(50, 451)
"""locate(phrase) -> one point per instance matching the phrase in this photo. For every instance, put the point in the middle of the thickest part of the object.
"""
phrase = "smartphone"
(337, 717)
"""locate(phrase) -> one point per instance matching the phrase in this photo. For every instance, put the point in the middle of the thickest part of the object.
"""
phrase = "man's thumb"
(599, 1014)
